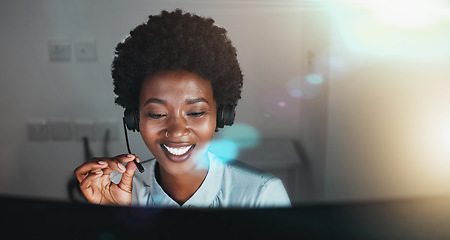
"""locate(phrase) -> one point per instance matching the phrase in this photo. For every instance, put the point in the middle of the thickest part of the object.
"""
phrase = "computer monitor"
(425, 218)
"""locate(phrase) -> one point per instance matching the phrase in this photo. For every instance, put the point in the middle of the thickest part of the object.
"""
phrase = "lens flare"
(408, 14)
(305, 87)
(436, 138)
(278, 103)
(394, 28)
(338, 66)
(231, 140)
(226, 150)
(243, 135)
(314, 79)
(296, 93)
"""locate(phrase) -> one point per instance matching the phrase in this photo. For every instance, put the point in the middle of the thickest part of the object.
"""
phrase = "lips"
(177, 153)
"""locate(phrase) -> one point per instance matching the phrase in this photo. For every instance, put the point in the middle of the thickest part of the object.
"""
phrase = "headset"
(225, 117)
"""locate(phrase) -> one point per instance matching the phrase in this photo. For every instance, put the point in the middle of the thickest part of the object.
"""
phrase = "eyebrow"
(154, 100)
(196, 100)
(188, 101)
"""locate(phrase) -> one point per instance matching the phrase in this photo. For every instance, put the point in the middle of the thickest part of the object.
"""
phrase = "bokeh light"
(305, 87)
(278, 103)
(338, 65)
(227, 150)
(244, 135)
(314, 79)
(231, 140)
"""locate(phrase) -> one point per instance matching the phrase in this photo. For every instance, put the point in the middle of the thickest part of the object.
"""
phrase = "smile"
(178, 151)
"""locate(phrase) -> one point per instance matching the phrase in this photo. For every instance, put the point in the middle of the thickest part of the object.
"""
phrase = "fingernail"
(137, 159)
(102, 162)
(130, 155)
(98, 172)
(121, 167)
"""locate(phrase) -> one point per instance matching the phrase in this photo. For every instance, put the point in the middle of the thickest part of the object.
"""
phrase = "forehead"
(175, 85)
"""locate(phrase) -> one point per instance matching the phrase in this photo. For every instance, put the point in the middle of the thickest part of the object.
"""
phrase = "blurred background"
(343, 100)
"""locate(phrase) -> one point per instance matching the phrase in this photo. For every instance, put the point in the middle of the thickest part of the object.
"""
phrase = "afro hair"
(175, 41)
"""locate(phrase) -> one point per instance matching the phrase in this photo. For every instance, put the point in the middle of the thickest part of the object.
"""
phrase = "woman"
(177, 74)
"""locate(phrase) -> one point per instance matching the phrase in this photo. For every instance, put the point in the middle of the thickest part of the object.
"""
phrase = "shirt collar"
(203, 197)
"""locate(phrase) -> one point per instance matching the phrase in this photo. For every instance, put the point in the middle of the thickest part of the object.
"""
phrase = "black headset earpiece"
(225, 115)
(131, 119)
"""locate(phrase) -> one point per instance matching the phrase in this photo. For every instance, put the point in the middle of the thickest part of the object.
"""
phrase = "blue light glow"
(306, 87)
(227, 150)
(231, 140)
(314, 78)
(243, 135)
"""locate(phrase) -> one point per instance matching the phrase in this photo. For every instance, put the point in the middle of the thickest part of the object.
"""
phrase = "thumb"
(126, 183)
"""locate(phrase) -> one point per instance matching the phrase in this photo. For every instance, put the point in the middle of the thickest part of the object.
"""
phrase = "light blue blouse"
(227, 184)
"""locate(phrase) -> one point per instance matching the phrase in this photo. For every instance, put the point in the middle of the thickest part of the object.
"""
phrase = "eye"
(156, 116)
(196, 114)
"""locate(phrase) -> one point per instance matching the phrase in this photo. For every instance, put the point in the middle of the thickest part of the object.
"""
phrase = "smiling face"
(177, 119)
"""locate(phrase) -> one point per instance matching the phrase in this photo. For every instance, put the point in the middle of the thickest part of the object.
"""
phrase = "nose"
(177, 127)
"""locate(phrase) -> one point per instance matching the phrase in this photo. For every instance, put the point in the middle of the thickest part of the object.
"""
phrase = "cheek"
(205, 131)
(148, 133)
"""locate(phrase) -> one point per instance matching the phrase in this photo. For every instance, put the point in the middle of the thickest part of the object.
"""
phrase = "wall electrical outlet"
(59, 50)
(86, 50)
(38, 130)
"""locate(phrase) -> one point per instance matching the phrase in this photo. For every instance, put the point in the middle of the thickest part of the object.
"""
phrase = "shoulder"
(247, 186)
(238, 169)
(249, 178)
(239, 173)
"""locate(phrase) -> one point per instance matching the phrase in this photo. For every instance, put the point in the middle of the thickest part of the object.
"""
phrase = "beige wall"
(389, 110)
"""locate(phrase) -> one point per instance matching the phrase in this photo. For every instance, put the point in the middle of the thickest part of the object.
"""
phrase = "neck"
(180, 187)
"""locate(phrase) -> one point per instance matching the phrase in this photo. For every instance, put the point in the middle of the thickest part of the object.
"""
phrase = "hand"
(96, 184)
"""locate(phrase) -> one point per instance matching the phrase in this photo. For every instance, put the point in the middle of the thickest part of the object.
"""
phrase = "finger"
(82, 171)
(124, 158)
(86, 185)
(126, 183)
(116, 163)
(103, 163)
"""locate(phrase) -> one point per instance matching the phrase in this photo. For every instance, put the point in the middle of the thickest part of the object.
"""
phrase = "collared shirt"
(227, 184)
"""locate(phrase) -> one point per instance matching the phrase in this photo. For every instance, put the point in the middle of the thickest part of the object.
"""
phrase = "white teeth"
(179, 150)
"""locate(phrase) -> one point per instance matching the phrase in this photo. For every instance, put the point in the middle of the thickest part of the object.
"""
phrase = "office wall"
(363, 99)
(388, 118)
(275, 53)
